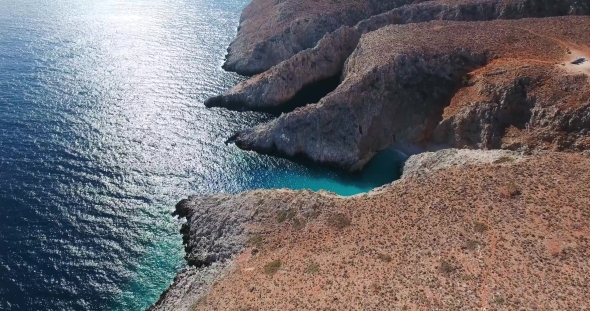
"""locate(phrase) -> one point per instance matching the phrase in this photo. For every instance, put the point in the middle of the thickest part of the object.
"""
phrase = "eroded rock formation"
(462, 230)
(280, 84)
(400, 78)
(272, 31)
(513, 104)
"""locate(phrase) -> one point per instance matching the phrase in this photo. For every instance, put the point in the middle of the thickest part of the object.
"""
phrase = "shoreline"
(487, 117)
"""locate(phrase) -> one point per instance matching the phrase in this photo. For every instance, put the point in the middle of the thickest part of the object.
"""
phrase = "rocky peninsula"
(501, 222)
(469, 84)
(462, 230)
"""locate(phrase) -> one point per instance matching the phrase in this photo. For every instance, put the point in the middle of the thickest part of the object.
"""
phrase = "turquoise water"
(103, 129)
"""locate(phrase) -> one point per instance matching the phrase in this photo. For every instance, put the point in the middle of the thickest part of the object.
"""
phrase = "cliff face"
(272, 31)
(400, 79)
(462, 230)
(513, 104)
(280, 83)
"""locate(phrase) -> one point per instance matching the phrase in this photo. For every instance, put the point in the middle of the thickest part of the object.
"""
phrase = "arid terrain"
(462, 230)
(493, 76)
(502, 237)
(501, 223)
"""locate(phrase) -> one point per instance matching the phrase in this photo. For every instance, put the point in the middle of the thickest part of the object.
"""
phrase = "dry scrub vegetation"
(494, 237)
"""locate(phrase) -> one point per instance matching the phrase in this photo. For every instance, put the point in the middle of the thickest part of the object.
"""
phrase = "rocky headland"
(278, 85)
(496, 84)
(502, 223)
(462, 230)
(272, 31)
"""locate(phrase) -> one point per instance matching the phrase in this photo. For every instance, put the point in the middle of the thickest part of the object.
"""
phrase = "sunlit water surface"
(103, 130)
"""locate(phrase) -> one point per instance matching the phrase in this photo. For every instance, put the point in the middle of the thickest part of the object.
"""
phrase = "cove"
(384, 168)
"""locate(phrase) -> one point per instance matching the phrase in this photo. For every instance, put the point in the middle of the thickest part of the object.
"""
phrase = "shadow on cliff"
(309, 94)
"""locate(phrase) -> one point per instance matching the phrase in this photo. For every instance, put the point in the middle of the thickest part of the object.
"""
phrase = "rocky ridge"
(402, 79)
(462, 230)
(281, 83)
(272, 31)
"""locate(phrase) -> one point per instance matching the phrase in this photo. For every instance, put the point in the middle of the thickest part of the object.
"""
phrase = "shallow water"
(103, 130)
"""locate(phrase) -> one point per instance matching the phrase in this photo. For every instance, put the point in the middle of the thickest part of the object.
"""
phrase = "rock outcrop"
(400, 79)
(462, 230)
(218, 228)
(272, 31)
(429, 162)
(514, 104)
(281, 83)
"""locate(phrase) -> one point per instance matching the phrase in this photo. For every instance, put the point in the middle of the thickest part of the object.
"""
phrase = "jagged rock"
(512, 104)
(398, 81)
(219, 227)
(428, 162)
(272, 31)
(189, 286)
(281, 83)
(213, 234)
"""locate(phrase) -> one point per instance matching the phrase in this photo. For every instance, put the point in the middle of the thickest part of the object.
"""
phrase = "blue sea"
(103, 129)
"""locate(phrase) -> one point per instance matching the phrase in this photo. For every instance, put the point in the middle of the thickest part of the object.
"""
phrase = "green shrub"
(503, 159)
(446, 267)
(285, 215)
(385, 257)
(312, 268)
(512, 189)
(480, 227)
(339, 221)
(272, 267)
(256, 241)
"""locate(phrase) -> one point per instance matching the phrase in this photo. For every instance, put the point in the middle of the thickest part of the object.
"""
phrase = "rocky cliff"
(462, 230)
(282, 82)
(271, 31)
(398, 82)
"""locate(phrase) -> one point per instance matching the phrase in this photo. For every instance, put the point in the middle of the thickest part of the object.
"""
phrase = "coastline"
(499, 91)
(434, 214)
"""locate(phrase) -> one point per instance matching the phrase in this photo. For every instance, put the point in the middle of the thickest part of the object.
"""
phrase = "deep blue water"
(103, 130)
